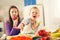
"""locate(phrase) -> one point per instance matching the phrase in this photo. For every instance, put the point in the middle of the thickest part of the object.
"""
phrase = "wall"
(51, 13)
(5, 4)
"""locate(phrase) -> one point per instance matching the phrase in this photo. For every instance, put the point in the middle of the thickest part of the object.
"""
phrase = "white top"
(28, 28)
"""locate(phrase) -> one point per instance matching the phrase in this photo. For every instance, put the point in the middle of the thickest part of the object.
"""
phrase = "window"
(29, 2)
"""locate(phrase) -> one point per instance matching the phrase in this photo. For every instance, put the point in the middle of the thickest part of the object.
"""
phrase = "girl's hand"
(21, 26)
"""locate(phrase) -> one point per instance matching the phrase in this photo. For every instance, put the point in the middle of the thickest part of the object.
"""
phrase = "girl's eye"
(32, 12)
(36, 12)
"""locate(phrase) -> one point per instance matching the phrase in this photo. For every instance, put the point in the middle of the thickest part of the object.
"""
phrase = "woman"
(11, 26)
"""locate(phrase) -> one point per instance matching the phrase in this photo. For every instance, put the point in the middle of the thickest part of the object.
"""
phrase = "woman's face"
(34, 13)
(14, 13)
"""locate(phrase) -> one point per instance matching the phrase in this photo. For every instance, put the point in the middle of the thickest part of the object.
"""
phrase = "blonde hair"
(34, 8)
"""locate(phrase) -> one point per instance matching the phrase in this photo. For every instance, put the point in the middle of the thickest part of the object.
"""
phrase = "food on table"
(55, 35)
(21, 38)
(43, 33)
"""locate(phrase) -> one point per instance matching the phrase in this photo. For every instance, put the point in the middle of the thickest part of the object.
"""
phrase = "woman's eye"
(12, 12)
(15, 11)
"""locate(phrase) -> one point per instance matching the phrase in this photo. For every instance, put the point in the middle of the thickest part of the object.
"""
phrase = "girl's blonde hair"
(34, 8)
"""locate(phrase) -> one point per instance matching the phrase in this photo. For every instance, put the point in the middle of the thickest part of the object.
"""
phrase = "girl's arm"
(21, 26)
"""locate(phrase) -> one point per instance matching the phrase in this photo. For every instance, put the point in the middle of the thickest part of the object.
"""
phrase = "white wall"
(51, 12)
(5, 5)
(50, 8)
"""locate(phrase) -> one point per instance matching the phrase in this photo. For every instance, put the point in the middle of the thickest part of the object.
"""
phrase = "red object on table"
(42, 39)
(21, 38)
(13, 38)
(45, 38)
(28, 38)
(43, 33)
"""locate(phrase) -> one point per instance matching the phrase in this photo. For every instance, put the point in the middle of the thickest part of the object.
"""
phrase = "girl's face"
(14, 13)
(34, 13)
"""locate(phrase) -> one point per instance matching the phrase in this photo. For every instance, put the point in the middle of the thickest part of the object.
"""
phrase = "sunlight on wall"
(57, 12)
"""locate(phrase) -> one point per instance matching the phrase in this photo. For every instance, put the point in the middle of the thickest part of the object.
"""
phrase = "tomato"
(13, 38)
(28, 38)
(43, 33)
(42, 39)
(20, 38)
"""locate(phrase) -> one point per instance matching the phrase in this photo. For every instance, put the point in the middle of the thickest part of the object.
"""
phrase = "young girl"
(31, 24)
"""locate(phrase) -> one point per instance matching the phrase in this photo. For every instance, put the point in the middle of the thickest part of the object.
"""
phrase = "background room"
(50, 10)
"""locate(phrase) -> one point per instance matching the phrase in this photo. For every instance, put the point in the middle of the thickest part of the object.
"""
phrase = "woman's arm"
(11, 31)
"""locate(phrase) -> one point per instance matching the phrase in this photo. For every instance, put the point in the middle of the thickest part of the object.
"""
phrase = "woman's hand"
(15, 23)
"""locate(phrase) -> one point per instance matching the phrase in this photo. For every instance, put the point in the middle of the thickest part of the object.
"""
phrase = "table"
(53, 37)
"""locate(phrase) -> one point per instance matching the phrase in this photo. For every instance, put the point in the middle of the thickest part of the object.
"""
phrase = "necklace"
(34, 27)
